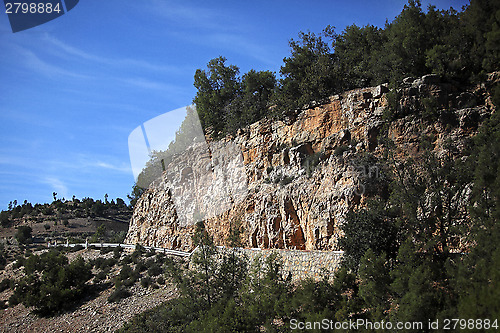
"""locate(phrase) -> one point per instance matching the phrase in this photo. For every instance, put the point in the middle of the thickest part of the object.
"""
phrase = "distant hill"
(73, 220)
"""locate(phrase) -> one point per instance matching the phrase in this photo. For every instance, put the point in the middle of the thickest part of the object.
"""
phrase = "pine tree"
(375, 282)
(217, 87)
(204, 261)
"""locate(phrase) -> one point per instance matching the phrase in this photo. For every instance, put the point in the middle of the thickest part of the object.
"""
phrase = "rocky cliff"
(302, 176)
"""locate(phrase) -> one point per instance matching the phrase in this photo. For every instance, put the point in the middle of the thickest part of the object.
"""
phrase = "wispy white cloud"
(58, 186)
(68, 49)
(33, 118)
(190, 16)
(119, 168)
(214, 28)
(35, 63)
(242, 45)
(73, 163)
(120, 62)
(149, 84)
(180, 94)
(84, 163)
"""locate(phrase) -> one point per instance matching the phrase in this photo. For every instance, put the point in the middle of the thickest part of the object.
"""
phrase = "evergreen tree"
(217, 87)
(308, 74)
(478, 281)
(428, 194)
(204, 261)
(252, 104)
(480, 24)
(357, 51)
(51, 284)
(23, 234)
(374, 285)
(367, 228)
(137, 192)
(414, 288)
(407, 42)
(445, 55)
(267, 293)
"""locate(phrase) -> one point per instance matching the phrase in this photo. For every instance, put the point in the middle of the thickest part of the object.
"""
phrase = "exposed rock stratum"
(302, 176)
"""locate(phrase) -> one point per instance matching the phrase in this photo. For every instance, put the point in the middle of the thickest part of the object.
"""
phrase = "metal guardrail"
(156, 249)
(126, 246)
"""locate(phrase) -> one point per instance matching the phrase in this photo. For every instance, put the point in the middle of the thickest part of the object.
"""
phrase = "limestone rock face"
(303, 177)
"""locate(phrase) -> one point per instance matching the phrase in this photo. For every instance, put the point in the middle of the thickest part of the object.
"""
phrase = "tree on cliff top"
(308, 73)
(459, 46)
(217, 87)
(226, 102)
(252, 102)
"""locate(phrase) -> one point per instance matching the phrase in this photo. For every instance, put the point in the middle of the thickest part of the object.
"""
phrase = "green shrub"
(118, 237)
(51, 284)
(119, 294)
(102, 263)
(23, 234)
(117, 252)
(47, 210)
(393, 109)
(140, 266)
(430, 108)
(146, 281)
(132, 279)
(160, 279)
(126, 260)
(286, 180)
(125, 272)
(105, 250)
(150, 253)
(3, 258)
(127, 276)
(18, 261)
(4, 218)
(160, 258)
(137, 254)
(139, 250)
(154, 270)
(5, 284)
(311, 162)
(101, 276)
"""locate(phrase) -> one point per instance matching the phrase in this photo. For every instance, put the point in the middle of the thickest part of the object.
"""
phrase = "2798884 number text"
(470, 324)
(31, 8)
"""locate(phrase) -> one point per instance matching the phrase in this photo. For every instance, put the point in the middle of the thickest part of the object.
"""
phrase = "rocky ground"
(93, 315)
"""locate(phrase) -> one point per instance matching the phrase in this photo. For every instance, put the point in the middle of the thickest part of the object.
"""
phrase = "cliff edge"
(304, 175)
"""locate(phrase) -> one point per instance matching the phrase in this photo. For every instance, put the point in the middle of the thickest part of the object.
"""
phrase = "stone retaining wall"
(301, 264)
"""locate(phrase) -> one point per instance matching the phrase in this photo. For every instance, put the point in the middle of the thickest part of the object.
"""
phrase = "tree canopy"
(459, 46)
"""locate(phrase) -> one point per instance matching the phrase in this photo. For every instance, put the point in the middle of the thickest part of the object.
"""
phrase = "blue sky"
(73, 89)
